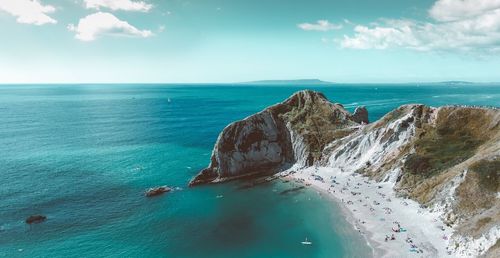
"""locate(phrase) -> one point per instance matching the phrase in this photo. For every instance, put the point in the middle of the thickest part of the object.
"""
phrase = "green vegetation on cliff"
(457, 135)
(478, 192)
(318, 121)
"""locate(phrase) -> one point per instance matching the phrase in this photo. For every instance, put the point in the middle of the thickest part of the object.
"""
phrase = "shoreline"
(350, 218)
(376, 213)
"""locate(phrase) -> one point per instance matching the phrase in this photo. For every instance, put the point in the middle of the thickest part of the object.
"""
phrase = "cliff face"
(447, 158)
(258, 144)
(294, 131)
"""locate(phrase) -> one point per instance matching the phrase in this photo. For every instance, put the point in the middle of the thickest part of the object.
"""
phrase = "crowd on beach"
(396, 229)
(350, 190)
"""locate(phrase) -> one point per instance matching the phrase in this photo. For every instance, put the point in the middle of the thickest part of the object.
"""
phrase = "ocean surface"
(83, 155)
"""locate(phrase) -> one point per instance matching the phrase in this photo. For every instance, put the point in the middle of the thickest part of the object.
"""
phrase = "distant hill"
(456, 82)
(288, 82)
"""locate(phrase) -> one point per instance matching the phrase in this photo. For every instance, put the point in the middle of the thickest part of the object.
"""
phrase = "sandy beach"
(393, 227)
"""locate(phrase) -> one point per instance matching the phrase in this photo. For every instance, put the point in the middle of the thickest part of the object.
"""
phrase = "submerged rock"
(154, 191)
(35, 219)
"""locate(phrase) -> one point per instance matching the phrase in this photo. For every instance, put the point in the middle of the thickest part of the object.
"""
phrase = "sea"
(83, 155)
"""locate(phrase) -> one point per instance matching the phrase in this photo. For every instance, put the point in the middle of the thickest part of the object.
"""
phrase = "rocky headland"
(446, 160)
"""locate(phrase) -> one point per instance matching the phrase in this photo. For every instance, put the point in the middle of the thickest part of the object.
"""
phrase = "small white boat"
(306, 242)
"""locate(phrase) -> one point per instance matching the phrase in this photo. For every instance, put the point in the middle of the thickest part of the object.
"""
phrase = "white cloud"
(321, 25)
(471, 29)
(28, 11)
(452, 10)
(125, 5)
(94, 25)
(381, 37)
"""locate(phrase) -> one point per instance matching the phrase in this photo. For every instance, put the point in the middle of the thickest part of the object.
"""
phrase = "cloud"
(28, 11)
(452, 10)
(456, 26)
(94, 25)
(124, 5)
(321, 25)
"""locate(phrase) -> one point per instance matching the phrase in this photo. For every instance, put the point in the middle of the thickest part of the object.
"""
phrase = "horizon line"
(259, 82)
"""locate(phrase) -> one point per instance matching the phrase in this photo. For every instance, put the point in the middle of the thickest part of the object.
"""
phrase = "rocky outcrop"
(446, 158)
(33, 219)
(294, 131)
(155, 191)
(361, 115)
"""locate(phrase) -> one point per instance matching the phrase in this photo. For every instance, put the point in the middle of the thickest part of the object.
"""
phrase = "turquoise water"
(84, 154)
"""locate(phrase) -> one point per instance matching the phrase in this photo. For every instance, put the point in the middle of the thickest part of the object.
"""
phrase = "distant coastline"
(288, 82)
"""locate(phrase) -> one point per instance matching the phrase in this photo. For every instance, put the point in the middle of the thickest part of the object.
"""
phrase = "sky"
(211, 41)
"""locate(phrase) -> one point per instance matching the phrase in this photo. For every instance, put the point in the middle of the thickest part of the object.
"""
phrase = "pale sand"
(423, 227)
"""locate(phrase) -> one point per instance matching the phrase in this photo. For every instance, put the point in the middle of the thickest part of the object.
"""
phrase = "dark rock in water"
(295, 189)
(260, 180)
(157, 191)
(294, 131)
(360, 115)
(35, 219)
(205, 175)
